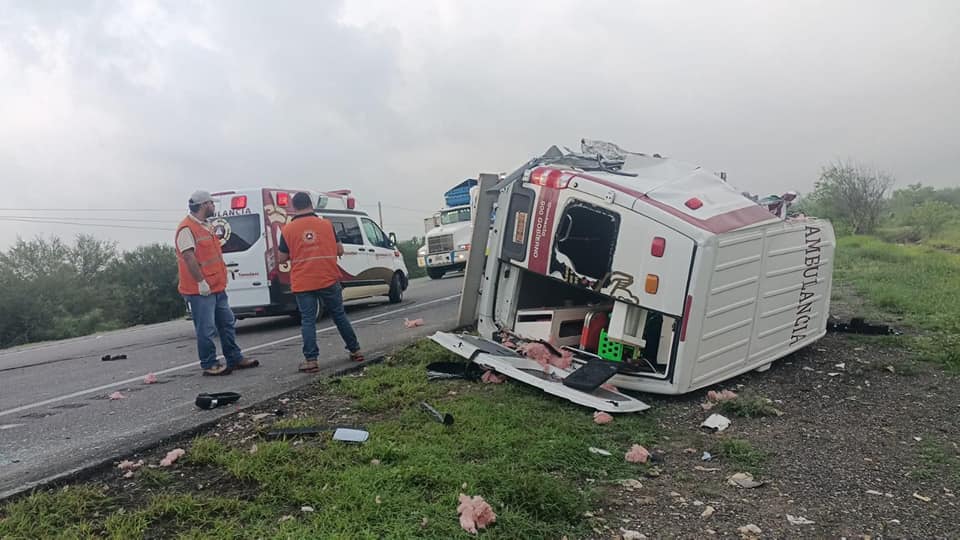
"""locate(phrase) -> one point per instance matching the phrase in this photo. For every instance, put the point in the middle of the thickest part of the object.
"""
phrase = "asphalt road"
(56, 418)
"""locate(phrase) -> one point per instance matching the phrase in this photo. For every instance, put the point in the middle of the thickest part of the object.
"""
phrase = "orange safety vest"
(313, 253)
(209, 257)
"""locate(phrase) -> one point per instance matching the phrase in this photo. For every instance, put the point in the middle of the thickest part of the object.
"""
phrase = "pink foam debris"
(543, 356)
(609, 387)
(491, 377)
(601, 418)
(637, 454)
(412, 324)
(127, 465)
(150, 379)
(725, 395)
(117, 395)
(475, 513)
(172, 456)
(509, 344)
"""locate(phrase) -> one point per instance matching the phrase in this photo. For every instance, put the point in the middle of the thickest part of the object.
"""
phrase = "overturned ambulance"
(654, 274)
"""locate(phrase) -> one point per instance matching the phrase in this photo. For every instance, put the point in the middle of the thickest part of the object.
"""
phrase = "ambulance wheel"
(396, 288)
(435, 273)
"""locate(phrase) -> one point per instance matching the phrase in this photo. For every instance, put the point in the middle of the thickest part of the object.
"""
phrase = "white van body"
(249, 221)
(700, 283)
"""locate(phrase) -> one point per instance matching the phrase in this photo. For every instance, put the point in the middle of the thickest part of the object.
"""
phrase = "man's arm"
(193, 266)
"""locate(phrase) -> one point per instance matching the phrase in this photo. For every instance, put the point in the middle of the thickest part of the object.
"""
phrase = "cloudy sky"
(134, 104)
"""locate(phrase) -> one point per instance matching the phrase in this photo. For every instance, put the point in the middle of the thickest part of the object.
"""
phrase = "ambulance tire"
(396, 288)
(436, 273)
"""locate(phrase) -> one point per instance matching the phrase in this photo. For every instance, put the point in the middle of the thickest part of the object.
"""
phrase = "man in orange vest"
(203, 280)
(311, 246)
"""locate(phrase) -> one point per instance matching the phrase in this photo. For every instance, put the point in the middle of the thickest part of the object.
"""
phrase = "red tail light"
(547, 177)
(693, 203)
(658, 246)
(283, 198)
(351, 203)
(686, 318)
(238, 203)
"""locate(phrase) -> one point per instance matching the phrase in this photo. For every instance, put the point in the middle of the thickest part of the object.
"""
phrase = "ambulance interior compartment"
(547, 309)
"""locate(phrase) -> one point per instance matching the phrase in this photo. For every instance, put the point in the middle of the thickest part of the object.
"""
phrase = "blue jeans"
(332, 298)
(211, 316)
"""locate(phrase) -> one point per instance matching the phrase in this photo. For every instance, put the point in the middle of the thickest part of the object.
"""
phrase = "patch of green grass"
(917, 283)
(936, 461)
(154, 477)
(63, 513)
(741, 453)
(749, 406)
(526, 453)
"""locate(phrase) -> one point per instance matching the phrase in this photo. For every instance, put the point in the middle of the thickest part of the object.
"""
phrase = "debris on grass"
(631, 484)
(600, 417)
(626, 534)
(706, 469)
(412, 324)
(750, 531)
(708, 512)
(172, 456)
(716, 422)
(743, 480)
(117, 395)
(127, 465)
(920, 497)
(599, 451)
(307, 509)
(475, 513)
(799, 520)
(492, 377)
(707, 456)
(637, 454)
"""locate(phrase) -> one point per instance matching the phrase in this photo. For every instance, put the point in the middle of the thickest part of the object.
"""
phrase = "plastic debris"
(600, 417)
(874, 492)
(475, 513)
(599, 451)
(631, 484)
(920, 497)
(374, 462)
(706, 469)
(743, 480)
(492, 377)
(707, 512)
(799, 520)
(716, 422)
(172, 456)
(545, 357)
(351, 435)
(112, 357)
(117, 395)
(637, 454)
(150, 378)
(707, 456)
(412, 324)
(632, 535)
(307, 509)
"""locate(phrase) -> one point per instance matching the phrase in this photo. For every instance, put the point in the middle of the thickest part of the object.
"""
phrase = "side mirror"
(393, 239)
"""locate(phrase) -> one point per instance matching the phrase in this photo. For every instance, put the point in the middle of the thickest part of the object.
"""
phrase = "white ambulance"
(650, 264)
(248, 223)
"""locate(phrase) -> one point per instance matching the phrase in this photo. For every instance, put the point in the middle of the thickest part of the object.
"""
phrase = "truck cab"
(448, 233)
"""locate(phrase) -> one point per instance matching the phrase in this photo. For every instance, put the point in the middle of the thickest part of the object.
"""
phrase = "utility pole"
(380, 211)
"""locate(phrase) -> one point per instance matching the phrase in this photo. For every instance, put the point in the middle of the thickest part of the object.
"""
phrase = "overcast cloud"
(134, 104)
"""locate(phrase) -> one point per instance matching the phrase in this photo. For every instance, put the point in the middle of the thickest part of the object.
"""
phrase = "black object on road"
(212, 401)
(110, 358)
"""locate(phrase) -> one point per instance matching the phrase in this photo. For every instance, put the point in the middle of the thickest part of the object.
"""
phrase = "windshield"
(455, 216)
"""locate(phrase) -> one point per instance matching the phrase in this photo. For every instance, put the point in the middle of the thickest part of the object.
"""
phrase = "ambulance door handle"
(231, 265)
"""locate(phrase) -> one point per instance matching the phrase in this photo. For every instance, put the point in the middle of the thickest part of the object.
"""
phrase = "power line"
(92, 210)
(80, 218)
(58, 222)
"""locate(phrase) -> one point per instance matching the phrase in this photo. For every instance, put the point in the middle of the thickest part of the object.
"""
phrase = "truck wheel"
(396, 288)
(436, 273)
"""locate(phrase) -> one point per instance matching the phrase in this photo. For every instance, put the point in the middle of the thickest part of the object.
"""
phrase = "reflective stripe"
(318, 257)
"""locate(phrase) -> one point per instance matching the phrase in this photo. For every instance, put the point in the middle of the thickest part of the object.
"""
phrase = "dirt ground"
(866, 447)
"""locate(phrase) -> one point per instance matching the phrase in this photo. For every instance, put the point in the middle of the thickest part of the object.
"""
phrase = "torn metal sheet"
(506, 362)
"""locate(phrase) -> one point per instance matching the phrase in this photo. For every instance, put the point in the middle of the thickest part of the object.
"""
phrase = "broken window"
(586, 241)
